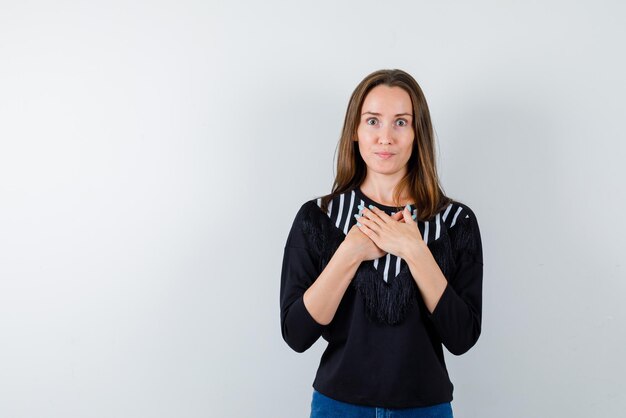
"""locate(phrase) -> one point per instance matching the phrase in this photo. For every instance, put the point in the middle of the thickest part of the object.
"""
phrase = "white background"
(153, 156)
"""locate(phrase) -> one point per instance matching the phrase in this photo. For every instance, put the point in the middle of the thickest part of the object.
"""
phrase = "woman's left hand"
(395, 237)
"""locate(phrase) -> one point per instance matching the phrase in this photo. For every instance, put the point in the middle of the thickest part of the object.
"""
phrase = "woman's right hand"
(362, 246)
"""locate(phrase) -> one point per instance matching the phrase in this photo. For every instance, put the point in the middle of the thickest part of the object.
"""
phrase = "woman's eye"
(401, 122)
(371, 121)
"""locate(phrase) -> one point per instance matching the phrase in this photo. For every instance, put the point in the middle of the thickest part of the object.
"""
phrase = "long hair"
(420, 181)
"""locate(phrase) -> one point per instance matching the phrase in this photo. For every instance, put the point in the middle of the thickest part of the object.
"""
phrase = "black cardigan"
(384, 347)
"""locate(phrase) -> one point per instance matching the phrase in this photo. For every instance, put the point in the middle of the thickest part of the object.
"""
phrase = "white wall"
(153, 156)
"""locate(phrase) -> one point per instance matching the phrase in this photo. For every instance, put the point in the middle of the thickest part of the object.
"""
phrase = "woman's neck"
(383, 193)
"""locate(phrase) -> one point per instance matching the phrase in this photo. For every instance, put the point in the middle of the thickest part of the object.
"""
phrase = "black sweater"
(384, 346)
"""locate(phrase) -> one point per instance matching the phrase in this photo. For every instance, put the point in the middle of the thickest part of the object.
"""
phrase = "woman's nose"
(386, 134)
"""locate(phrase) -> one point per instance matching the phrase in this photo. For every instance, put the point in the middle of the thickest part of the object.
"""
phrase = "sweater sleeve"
(457, 316)
(299, 270)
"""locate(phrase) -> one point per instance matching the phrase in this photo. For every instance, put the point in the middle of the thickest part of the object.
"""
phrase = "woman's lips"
(384, 155)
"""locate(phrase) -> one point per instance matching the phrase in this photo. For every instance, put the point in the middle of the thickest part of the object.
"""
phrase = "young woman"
(386, 268)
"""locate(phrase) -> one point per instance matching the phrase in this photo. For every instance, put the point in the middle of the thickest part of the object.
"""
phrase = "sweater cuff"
(444, 301)
(303, 318)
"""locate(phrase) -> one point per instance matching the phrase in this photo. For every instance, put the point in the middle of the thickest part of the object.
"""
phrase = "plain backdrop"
(154, 154)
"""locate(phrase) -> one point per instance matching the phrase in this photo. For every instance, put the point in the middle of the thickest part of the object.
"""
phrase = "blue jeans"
(324, 407)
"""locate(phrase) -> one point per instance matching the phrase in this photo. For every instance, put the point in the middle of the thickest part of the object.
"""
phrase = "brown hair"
(421, 180)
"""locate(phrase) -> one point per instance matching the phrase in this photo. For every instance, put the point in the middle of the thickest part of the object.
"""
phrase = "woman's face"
(385, 131)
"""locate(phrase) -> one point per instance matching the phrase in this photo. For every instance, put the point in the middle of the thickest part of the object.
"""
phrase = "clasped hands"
(397, 234)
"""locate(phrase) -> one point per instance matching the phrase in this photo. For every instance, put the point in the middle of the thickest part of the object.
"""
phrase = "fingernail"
(408, 207)
(361, 206)
(414, 216)
(357, 216)
(358, 224)
(371, 206)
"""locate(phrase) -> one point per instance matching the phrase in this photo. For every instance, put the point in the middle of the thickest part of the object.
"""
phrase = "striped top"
(342, 208)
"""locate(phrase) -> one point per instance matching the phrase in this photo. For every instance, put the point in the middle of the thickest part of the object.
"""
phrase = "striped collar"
(342, 208)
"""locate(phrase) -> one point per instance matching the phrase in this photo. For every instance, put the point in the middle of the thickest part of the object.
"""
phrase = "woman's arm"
(309, 298)
(455, 305)
(323, 297)
(430, 280)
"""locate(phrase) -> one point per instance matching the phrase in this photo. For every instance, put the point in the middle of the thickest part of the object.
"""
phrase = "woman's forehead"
(385, 99)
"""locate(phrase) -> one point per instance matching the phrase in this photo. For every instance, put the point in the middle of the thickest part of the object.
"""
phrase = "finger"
(379, 213)
(409, 210)
(413, 220)
(397, 216)
(406, 214)
(366, 230)
(368, 223)
(367, 213)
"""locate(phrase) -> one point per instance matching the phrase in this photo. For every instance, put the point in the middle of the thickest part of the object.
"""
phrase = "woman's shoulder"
(314, 228)
(309, 224)
(455, 212)
(466, 207)
(310, 208)
(464, 228)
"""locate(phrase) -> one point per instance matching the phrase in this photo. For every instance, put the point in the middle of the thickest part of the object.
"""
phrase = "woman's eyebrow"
(378, 114)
